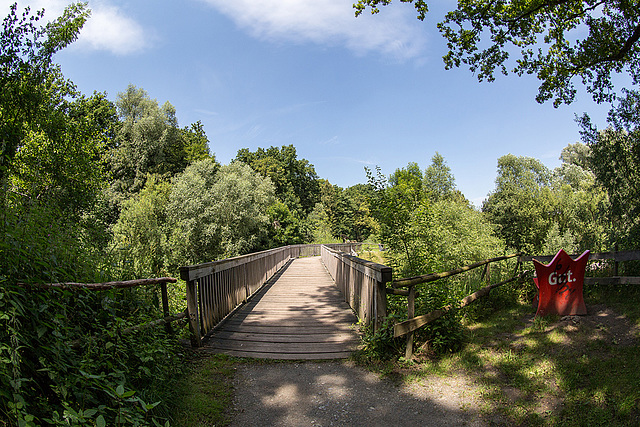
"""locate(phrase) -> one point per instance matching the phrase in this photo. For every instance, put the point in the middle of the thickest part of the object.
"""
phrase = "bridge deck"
(299, 314)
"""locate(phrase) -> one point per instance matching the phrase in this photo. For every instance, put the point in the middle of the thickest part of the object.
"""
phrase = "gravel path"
(338, 393)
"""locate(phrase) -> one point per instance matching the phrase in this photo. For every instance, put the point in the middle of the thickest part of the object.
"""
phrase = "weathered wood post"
(381, 299)
(165, 305)
(411, 311)
(192, 308)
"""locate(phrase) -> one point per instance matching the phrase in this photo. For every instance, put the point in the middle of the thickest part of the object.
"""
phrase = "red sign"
(560, 285)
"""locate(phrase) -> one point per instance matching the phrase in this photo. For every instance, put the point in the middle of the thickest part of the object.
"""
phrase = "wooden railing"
(103, 286)
(413, 323)
(362, 284)
(216, 289)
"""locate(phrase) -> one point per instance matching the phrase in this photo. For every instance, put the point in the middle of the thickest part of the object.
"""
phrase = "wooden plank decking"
(300, 314)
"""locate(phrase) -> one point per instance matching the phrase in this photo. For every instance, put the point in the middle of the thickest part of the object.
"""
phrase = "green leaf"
(127, 394)
(100, 422)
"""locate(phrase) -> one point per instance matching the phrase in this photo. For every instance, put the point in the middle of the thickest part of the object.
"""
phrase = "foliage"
(30, 84)
(380, 344)
(347, 211)
(196, 144)
(64, 352)
(438, 179)
(426, 229)
(557, 41)
(149, 142)
(580, 204)
(217, 212)
(65, 358)
(64, 165)
(520, 203)
(318, 220)
(285, 228)
(140, 233)
(615, 159)
(295, 180)
(538, 210)
(70, 361)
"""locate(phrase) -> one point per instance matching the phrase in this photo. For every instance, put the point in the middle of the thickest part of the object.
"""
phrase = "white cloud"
(108, 28)
(394, 32)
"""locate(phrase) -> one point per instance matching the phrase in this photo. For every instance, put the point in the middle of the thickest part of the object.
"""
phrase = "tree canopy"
(295, 180)
(615, 159)
(557, 40)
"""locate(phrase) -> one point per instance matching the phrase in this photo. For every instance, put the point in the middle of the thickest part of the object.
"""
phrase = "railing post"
(165, 305)
(380, 304)
(411, 312)
(192, 309)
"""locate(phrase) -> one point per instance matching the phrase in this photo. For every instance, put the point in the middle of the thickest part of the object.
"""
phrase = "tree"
(285, 228)
(347, 211)
(196, 144)
(557, 40)
(362, 223)
(579, 204)
(217, 212)
(615, 160)
(396, 204)
(438, 179)
(520, 204)
(295, 180)
(149, 142)
(140, 233)
(30, 83)
(63, 164)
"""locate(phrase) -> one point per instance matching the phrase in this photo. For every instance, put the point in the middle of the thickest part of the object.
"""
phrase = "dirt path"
(339, 393)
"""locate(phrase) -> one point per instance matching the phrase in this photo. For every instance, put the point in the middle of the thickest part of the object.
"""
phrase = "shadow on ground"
(338, 393)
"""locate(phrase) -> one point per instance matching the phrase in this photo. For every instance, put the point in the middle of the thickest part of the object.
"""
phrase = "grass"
(550, 371)
(206, 393)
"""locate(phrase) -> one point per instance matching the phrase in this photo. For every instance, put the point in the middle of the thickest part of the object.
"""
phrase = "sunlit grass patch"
(206, 393)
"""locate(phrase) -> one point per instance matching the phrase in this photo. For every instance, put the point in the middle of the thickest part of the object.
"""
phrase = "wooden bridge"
(296, 302)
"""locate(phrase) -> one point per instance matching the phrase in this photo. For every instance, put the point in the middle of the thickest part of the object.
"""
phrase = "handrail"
(362, 284)
(412, 281)
(103, 286)
(616, 256)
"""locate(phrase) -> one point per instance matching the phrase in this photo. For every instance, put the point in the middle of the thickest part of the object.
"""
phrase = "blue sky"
(348, 93)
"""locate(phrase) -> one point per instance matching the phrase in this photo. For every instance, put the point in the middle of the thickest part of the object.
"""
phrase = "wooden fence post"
(192, 309)
(380, 311)
(165, 305)
(411, 312)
